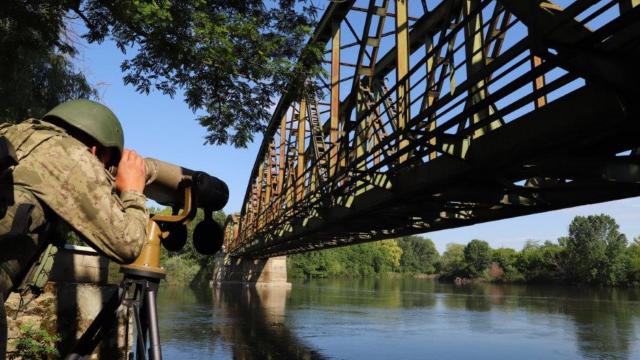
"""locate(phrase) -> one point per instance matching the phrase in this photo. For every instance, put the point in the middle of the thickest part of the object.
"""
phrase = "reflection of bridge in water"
(444, 116)
(229, 322)
(258, 330)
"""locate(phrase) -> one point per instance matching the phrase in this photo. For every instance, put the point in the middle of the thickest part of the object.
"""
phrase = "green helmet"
(92, 118)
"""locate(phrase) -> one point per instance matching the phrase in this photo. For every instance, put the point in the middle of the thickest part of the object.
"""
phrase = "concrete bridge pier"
(251, 272)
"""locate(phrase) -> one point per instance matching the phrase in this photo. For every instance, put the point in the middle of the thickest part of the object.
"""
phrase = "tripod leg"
(155, 352)
(3, 328)
(141, 343)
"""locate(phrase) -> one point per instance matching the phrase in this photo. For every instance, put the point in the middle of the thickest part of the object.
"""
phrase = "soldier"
(61, 177)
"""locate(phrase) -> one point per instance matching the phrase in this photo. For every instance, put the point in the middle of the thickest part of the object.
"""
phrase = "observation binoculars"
(185, 191)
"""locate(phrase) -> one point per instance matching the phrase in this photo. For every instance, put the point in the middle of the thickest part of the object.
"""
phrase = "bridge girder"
(433, 118)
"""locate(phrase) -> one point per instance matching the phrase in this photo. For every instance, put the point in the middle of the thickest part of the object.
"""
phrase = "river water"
(400, 319)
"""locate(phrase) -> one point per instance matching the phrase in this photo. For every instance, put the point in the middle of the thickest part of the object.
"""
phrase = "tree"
(388, 256)
(595, 250)
(505, 257)
(36, 73)
(419, 255)
(228, 58)
(453, 263)
(477, 255)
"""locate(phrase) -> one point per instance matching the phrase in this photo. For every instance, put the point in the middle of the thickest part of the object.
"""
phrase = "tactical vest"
(25, 224)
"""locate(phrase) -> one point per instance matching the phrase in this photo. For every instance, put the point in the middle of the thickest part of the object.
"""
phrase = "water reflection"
(186, 330)
(602, 323)
(365, 292)
(401, 318)
(257, 329)
(605, 323)
(603, 319)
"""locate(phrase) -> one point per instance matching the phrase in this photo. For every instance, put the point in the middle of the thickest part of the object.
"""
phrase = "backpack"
(34, 277)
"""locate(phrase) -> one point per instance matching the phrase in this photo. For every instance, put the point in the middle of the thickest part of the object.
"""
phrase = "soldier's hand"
(131, 174)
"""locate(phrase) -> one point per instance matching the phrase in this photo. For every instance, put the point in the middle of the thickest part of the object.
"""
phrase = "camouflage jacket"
(70, 184)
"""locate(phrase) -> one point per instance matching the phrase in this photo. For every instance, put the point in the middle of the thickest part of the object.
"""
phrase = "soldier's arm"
(75, 185)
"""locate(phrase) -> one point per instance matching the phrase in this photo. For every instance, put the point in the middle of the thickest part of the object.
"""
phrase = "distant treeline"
(593, 252)
(411, 254)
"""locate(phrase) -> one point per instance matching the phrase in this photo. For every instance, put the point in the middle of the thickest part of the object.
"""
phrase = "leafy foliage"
(539, 263)
(34, 343)
(477, 255)
(506, 259)
(349, 261)
(180, 270)
(228, 58)
(595, 250)
(633, 262)
(36, 73)
(453, 261)
(419, 255)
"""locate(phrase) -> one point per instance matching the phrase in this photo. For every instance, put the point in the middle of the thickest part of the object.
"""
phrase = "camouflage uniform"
(63, 181)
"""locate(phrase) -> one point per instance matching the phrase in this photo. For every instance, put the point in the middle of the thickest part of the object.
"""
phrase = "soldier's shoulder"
(69, 148)
(64, 160)
(57, 135)
(34, 123)
(55, 144)
(17, 126)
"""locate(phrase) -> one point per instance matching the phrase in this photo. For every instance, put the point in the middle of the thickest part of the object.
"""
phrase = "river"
(400, 319)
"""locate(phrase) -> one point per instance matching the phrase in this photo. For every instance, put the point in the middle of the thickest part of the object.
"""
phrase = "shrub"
(34, 343)
(180, 270)
(541, 262)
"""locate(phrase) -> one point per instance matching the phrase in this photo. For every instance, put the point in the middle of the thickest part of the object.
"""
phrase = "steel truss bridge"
(439, 114)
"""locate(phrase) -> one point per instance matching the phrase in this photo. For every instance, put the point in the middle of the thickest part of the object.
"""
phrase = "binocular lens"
(208, 237)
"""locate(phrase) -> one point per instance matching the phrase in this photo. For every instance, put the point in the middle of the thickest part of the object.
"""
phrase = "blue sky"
(164, 128)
